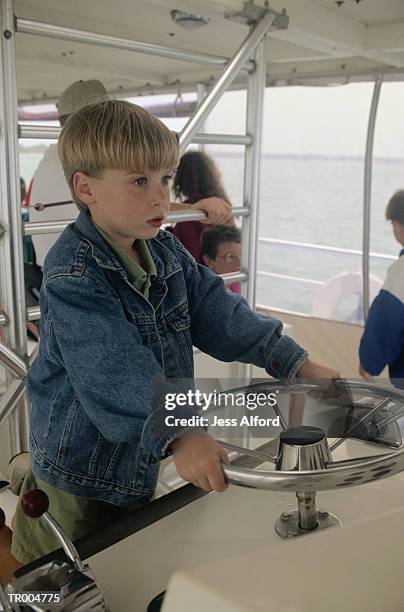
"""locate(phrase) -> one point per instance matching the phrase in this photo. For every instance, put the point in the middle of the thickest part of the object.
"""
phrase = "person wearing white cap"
(49, 183)
(78, 95)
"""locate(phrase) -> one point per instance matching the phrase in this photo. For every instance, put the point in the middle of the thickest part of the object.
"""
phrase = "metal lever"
(39, 206)
(77, 587)
(35, 504)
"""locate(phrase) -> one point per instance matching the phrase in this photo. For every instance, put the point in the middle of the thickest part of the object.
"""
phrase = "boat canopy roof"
(326, 42)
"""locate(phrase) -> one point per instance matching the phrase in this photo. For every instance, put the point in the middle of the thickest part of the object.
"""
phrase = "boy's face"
(126, 205)
(227, 259)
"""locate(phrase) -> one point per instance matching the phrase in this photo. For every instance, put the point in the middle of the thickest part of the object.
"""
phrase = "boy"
(382, 342)
(221, 251)
(121, 306)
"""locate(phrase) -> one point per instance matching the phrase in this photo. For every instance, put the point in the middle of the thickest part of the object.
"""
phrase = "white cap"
(80, 94)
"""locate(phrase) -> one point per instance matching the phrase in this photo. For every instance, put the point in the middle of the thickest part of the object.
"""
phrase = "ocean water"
(316, 200)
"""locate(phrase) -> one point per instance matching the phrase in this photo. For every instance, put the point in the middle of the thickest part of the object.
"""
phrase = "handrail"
(310, 246)
(367, 193)
(37, 228)
(300, 279)
(48, 227)
(34, 312)
(322, 247)
(38, 131)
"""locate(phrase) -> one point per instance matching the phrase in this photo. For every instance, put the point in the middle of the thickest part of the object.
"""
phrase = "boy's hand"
(315, 371)
(322, 375)
(197, 457)
(218, 211)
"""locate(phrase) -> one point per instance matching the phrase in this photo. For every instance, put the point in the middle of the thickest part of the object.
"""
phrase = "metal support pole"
(33, 228)
(252, 175)
(228, 139)
(234, 277)
(13, 394)
(37, 131)
(367, 193)
(12, 361)
(34, 353)
(251, 191)
(201, 90)
(245, 51)
(28, 26)
(34, 131)
(11, 249)
(33, 314)
(307, 513)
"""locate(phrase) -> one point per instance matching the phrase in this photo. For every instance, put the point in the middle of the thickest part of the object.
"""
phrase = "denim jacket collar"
(165, 261)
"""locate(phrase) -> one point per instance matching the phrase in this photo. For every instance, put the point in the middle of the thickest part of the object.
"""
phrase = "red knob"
(2, 519)
(35, 503)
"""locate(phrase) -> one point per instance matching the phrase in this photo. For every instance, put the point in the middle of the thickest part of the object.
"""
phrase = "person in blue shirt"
(382, 343)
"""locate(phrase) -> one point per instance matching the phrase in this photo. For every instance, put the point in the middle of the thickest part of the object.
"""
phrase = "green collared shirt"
(139, 276)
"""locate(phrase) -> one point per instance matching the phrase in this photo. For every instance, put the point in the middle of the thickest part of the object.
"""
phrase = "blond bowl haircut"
(114, 135)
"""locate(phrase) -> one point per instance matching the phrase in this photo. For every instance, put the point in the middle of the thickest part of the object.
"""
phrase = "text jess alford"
(201, 421)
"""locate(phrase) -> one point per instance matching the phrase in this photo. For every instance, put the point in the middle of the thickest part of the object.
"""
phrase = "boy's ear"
(83, 189)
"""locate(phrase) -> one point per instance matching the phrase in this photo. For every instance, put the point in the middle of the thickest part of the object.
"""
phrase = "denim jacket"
(105, 349)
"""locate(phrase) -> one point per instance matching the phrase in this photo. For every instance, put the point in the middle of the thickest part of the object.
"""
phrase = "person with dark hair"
(197, 177)
(382, 343)
(221, 251)
(395, 213)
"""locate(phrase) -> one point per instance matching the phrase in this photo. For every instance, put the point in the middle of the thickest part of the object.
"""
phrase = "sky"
(321, 120)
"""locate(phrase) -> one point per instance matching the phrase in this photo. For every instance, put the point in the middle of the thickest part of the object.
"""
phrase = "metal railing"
(322, 247)
(33, 313)
(50, 227)
(313, 247)
(49, 30)
(36, 131)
